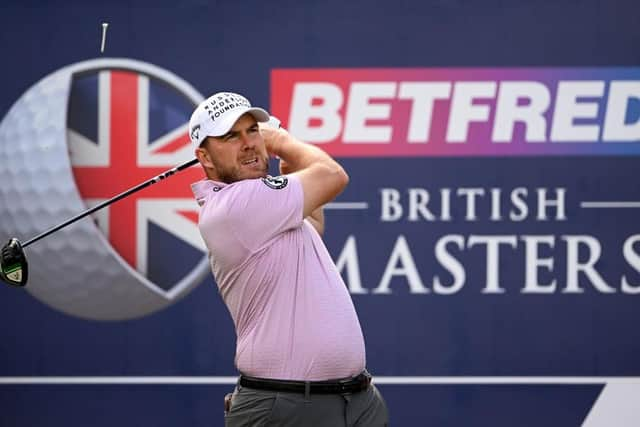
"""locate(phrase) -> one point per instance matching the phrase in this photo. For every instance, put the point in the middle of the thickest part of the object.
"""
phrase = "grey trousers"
(251, 407)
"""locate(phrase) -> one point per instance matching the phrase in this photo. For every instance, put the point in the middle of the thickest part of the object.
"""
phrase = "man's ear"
(204, 158)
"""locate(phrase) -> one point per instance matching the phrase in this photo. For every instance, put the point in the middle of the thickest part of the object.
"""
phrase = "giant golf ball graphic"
(74, 270)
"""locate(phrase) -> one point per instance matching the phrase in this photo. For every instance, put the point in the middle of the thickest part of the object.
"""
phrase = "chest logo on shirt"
(275, 182)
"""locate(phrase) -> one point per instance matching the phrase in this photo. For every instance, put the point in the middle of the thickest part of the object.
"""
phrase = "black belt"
(347, 385)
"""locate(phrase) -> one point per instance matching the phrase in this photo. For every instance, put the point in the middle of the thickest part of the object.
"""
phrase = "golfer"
(300, 349)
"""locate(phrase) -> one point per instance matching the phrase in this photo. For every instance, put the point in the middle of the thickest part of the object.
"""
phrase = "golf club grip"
(114, 199)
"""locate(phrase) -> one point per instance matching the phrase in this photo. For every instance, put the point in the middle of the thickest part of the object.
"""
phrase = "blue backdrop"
(417, 343)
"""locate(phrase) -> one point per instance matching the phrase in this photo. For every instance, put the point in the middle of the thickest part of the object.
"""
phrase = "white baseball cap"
(217, 114)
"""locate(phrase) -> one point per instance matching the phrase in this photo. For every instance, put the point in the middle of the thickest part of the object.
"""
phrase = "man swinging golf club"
(300, 349)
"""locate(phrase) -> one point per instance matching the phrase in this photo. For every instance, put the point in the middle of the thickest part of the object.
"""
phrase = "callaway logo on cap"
(216, 115)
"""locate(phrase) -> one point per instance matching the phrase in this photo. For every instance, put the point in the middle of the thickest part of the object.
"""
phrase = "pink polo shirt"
(293, 315)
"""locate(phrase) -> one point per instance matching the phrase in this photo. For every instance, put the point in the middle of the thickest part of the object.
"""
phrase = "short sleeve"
(261, 209)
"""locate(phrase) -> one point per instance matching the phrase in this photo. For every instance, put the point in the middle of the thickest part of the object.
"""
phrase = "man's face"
(239, 154)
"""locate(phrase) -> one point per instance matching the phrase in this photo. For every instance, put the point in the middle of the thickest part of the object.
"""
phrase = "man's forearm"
(316, 218)
(297, 154)
(322, 178)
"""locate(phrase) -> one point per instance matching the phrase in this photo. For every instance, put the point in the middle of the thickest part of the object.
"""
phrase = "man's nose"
(247, 141)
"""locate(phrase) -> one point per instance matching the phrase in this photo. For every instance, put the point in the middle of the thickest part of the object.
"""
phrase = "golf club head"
(13, 264)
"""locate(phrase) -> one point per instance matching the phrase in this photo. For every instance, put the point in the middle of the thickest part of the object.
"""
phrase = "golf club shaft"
(112, 200)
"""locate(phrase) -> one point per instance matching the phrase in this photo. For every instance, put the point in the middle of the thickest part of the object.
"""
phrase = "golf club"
(13, 263)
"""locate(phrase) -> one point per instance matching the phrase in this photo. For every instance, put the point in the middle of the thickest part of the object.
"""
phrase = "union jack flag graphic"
(125, 127)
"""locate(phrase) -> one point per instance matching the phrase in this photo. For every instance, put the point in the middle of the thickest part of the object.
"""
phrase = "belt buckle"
(342, 385)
